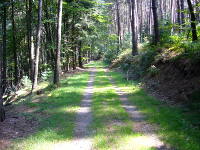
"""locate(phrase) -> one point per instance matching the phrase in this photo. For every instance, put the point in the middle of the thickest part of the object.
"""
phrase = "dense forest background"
(40, 40)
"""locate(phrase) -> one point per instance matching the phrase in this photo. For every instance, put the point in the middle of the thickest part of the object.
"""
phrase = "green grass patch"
(175, 126)
(112, 126)
(56, 112)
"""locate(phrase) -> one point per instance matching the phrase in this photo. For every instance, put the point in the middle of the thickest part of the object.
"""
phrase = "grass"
(56, 114)
(112, 126)
(175, 126)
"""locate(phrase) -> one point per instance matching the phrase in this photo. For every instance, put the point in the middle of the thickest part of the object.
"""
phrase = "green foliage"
(137, 65)
(153, 70)
(47, 75)
(124, 60)
(192, 49)
(26, 82)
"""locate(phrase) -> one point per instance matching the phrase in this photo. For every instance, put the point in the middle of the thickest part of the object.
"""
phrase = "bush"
(153, 70)
(47, 75)
(26, 82)
(124, 60)
(137, 65)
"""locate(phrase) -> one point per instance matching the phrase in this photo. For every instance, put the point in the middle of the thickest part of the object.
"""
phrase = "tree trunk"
(73, 43)
(156, 27)
(197, 10)
(178, 15)
(4, 53)
(59, 27)
(35, 81)
(80, 55)
(14, 47)
(2, 112)
(182, 12)
(30, 39)
(118, 25)
(134, 40)
(50, 40)
(193, 20)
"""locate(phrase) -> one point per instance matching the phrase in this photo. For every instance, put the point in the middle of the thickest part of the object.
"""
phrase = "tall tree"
(178, 14)
(38, 43)
(193, 21)
(118, 24)
(14, 46)
(58, 44)
(182, 12)
(4, 73)
(155, 19)
(30, 45)
(80, 54)
(2, 112)
(134, 40)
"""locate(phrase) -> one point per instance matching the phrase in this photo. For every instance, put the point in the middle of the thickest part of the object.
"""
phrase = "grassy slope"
(56, 114)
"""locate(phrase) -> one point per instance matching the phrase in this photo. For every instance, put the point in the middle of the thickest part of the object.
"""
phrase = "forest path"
(82, 139)
(97, 109)
(118, 124)
(149, 137)
(84, 117)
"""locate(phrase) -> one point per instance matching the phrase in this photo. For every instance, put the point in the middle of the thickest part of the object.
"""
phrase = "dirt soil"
(16, 125)
(176, 81)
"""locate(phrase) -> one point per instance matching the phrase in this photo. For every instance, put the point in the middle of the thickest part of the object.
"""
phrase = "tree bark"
(134, 40)
(58, 49)
(156, 27)
(178, 15)
(14, 47)
(182, 12)
(118, 25)
(4, 53)
(193, 20)
(30, 39)
(35, 81)
(80, 55)
(2, 112)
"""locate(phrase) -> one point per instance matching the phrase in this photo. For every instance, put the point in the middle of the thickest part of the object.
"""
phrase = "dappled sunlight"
(57, 115)
(76, 144)
(113, 124)
(104, 89)
(139, 142)
(79, 144)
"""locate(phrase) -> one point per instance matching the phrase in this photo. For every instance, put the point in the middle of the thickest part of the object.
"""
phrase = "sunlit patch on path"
(82, 139)
(148, 138)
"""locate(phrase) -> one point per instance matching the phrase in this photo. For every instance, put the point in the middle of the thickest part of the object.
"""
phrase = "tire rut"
(82, 136)
(150, 139)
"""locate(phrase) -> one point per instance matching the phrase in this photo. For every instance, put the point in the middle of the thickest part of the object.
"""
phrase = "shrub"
(47, 75)
(153, 70)
(137, 65)
(26, 82)
(124, 60)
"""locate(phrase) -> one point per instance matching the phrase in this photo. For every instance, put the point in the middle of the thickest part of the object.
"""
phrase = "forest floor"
(97, 109)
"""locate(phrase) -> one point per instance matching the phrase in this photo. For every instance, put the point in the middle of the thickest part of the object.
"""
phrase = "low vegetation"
(55, 111)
